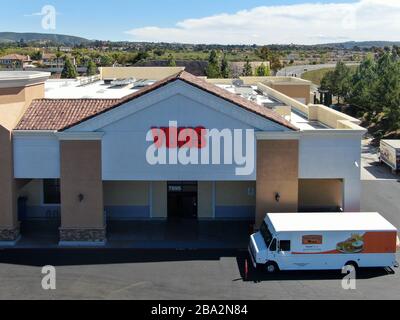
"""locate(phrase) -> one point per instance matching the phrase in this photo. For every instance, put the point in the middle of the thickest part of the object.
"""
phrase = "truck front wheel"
(352, 264)
(271, 267)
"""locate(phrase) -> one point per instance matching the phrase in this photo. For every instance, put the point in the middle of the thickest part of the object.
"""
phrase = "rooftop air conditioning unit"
(244, 90)
(238, 83)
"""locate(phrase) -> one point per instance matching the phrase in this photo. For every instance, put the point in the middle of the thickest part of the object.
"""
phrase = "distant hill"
(360, 44)
(29, 37)
(6, 37)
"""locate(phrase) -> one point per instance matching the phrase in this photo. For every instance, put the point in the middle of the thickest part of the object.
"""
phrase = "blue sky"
(178, 20)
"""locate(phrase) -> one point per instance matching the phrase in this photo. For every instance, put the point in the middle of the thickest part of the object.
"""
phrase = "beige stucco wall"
(295, 91)
(126, 193)
(160, 200)
(277, 172)
(13, 103)
(81, 174)
(283, 98)
(332, 118)
(320, 193)
(205, 200)
(22, 94)
(254, 80)
(8, 197)
(151, 73)
(235, 193)
(218, 80)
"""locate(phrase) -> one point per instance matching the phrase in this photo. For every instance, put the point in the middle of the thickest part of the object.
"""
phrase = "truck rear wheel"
(271, 267)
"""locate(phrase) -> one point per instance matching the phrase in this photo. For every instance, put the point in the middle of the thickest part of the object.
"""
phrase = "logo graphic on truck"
(355, 244)
(370, 242)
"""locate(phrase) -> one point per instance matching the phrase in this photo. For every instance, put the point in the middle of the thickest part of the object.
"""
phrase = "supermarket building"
(76, 151)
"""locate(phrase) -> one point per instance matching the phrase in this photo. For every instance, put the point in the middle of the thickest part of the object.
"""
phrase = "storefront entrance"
(182, 200)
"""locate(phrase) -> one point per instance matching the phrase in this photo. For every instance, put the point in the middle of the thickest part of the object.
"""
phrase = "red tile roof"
(61, 114)
(15, 56)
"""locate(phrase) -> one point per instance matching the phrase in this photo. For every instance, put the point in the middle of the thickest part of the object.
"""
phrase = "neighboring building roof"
(49, 56)
(18, 79)
(61, 114)
(15, 57)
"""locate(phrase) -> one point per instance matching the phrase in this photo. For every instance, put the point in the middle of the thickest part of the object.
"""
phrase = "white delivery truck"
(323, 241)
(390, 153)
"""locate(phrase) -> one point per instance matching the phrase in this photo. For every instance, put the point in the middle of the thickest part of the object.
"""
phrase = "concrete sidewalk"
(148, 235)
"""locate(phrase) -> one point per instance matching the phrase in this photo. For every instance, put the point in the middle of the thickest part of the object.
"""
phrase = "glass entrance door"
(182, 200)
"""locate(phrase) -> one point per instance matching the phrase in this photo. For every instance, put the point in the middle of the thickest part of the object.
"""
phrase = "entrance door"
(182, 200)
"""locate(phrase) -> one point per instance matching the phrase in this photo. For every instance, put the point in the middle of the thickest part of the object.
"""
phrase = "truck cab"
(264, 247)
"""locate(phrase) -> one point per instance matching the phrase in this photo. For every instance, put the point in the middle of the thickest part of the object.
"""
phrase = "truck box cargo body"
(390, 153)
(324, 241)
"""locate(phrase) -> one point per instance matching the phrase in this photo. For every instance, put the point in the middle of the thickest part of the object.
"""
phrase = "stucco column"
(9, 225)
(277, 177)
(82, 210)
(16, 94)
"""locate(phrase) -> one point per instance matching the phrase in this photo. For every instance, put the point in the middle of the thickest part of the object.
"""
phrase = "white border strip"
(76, 136)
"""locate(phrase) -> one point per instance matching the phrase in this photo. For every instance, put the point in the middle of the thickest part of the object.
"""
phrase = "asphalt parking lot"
(202, 274)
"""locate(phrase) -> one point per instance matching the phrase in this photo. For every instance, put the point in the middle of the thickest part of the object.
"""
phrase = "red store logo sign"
(173, 137)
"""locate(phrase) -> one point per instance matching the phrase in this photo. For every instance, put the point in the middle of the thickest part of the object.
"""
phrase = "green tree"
(327, 81)
(213, 69)
(374, 89)
(91, 68)
(342, 78)
(362, 89)
(276, 64)
(338, 82)
(387, 90)
(142, 55)
(69, 70)
(264, 53)
(247, 69)
(106, 60)
(37, 55)
(159, 52)
(262, 70)
(225, 69)
(171, 61)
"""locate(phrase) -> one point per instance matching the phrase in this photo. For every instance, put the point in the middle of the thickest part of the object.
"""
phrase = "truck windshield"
(266, 234)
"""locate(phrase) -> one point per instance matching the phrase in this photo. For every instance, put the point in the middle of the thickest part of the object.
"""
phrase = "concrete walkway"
(149, 235)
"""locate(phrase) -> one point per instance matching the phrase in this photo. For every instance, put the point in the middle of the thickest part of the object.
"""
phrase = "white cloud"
(307, 23)
(35, 14)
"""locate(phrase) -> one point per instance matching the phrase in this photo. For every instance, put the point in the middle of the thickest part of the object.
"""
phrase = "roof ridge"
(106, 105)
(77, 99)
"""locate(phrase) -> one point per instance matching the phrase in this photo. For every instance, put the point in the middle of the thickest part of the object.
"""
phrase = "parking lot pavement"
(383, 197)
(127, 274)
(371, 168)
(199, 274)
